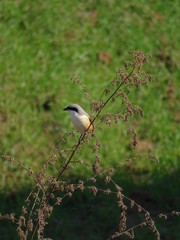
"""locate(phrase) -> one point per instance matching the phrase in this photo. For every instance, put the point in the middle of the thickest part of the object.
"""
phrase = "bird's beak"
(65, 109)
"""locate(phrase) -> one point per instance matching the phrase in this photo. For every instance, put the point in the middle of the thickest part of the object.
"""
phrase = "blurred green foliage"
(45, 43)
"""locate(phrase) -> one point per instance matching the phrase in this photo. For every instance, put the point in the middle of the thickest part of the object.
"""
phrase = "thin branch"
(82, 138)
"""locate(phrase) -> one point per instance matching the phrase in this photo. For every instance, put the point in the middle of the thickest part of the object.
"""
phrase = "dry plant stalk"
(50, 191)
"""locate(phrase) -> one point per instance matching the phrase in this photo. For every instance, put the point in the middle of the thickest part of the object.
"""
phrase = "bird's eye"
(76, 110)
(73, 109)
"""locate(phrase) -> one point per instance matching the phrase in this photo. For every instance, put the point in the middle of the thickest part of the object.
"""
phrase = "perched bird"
(80, 119)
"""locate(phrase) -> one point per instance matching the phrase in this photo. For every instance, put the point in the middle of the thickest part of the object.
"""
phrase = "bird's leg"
(80, 138)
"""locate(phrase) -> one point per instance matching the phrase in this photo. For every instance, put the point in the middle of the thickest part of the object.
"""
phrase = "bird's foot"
(80, 140)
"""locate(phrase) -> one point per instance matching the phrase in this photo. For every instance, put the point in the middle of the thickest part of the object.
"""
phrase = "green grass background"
(45, 43)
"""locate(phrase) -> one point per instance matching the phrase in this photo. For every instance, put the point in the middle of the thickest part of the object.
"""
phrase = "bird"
(80, 119)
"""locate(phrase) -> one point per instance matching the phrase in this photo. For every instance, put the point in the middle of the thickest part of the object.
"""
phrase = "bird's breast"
(80, 122)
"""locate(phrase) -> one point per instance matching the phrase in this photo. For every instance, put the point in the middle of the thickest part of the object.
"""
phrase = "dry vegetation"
(50, 191)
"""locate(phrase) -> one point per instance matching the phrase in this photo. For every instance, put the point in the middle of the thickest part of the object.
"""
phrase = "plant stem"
(82, 138)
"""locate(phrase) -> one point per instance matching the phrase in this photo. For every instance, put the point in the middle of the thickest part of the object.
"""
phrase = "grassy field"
(45, 43)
